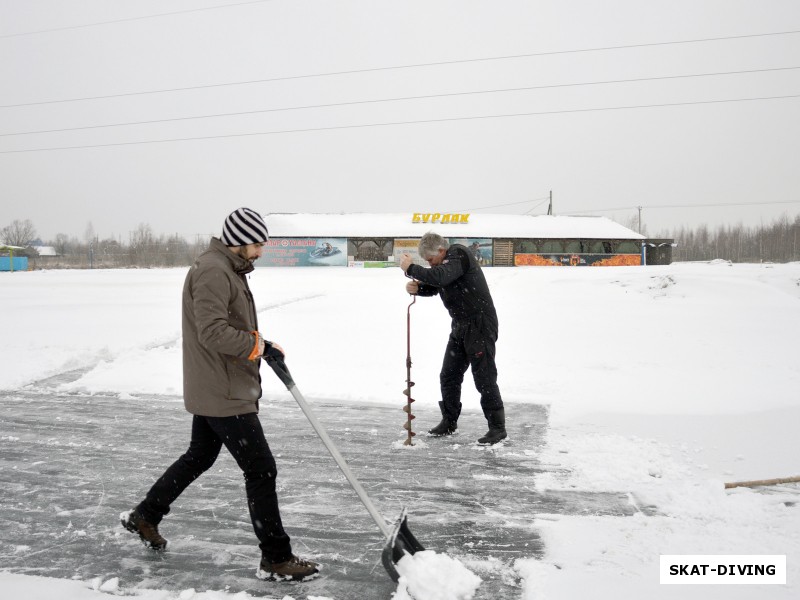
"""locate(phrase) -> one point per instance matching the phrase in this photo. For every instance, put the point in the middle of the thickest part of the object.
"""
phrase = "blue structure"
(17, 263)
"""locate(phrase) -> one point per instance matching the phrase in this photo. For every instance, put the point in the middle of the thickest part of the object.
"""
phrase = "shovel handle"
(282, 371)
(275, 360)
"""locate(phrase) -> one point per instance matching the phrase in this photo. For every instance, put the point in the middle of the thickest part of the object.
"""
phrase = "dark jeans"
(244, 439)
(471, 344)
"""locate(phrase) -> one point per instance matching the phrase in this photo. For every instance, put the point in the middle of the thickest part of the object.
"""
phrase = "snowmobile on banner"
(325, 253)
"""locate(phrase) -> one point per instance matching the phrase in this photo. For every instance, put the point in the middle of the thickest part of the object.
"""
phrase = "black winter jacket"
(460, 283)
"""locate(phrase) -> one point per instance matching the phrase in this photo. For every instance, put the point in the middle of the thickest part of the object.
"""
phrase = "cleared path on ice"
(70, 463)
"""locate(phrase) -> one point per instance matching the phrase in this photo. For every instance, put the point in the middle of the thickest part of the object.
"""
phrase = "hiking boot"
(446, 427)
(134, 522)
(497, 426)
(294, 569)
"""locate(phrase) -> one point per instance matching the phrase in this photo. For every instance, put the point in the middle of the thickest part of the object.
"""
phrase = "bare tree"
(61, 244)
(19, 233)
(777, 242)
(632, 223)
(89, 235)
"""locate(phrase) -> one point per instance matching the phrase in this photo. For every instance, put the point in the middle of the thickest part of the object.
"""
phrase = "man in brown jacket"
(222, 351)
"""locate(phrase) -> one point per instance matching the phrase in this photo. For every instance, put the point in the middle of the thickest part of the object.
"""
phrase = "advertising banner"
(304, 252)
(408, 247)
(371, 264)
(577, 260)
(481, 248)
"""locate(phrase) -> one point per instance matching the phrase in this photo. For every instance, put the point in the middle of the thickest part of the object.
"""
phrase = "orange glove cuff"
(255, 354)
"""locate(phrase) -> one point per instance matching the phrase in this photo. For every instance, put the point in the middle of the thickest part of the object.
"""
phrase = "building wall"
(577, 252)
(363, 251)
(18, 263)
(658, 252)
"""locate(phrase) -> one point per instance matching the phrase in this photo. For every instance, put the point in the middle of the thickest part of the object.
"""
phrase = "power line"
(509, 204)
(395, 123)
(532, 208)
(399, 99)
(719, 204)
(126, 20)
(396, 67)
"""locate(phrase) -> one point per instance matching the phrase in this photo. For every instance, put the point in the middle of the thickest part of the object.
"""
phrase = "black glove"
(274, 358)
(271, 352)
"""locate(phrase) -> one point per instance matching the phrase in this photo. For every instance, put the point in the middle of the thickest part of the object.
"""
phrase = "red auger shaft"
(407, 408)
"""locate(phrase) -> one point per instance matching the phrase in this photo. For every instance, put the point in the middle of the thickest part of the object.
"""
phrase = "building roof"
(402, 225)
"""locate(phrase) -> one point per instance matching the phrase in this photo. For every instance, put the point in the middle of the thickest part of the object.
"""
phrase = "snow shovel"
(399, 539)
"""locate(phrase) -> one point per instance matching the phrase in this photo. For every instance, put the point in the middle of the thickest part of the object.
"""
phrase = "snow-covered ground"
(663, 383)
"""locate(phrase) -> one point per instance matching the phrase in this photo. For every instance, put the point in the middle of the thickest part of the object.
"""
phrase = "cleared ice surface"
(72, 463)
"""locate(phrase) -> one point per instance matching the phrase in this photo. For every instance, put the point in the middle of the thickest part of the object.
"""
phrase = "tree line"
(778, 241)
(142, 249)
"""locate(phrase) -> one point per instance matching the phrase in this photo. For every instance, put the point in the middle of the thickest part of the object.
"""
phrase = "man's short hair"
(431, 243)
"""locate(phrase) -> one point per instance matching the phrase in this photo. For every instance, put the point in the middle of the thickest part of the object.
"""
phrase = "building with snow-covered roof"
(46, 250)
(374, 239)
(9, 262)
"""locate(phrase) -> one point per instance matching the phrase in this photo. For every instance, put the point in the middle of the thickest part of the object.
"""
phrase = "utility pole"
(550, 207)
(640, 219)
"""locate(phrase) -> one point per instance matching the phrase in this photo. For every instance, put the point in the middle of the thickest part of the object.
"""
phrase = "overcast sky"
(471, 148)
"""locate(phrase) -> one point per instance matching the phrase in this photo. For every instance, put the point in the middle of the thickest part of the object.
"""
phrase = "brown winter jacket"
(220, 370)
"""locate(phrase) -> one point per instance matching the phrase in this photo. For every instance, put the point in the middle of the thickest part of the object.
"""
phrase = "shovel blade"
(400, 542)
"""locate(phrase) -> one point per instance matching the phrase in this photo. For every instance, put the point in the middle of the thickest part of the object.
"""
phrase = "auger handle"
(408, 332)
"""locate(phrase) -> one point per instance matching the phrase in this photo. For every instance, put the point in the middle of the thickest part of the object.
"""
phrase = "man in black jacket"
(456, 276)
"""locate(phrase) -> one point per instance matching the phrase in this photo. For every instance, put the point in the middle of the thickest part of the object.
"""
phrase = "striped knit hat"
(244, 226)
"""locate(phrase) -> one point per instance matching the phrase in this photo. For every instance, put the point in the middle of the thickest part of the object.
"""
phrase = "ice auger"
(407, 408)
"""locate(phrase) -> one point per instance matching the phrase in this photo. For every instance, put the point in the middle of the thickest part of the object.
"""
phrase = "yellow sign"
(440, 218)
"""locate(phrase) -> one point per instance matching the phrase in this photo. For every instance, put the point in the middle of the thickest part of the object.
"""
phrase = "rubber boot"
(497, 426)
(446, 426)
